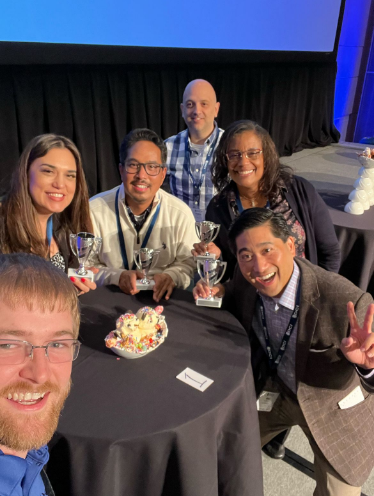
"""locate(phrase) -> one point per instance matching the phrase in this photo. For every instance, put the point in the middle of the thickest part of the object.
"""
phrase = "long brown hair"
(275, 173)
(19, 225)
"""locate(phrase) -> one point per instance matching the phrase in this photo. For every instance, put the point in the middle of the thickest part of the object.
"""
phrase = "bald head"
(200, 86)
(199, 109)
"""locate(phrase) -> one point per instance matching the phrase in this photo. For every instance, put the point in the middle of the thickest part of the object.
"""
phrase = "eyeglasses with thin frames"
(151, 168)
(15, 352)
(251, 154)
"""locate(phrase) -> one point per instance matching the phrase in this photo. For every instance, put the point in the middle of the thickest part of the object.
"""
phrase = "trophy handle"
(73, 244)
(199, 234)
(224, 265)
(218, 227)
(156, 254)
(95, 249)
(137, 260)
(199, 265)
(96, 245)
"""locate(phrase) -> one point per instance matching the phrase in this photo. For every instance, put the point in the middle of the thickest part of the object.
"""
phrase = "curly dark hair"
(275, 174)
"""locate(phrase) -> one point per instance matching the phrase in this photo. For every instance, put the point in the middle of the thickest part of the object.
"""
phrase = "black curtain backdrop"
(97, 105)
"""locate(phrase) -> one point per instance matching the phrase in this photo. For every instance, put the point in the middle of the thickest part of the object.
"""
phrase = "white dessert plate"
(131, 356)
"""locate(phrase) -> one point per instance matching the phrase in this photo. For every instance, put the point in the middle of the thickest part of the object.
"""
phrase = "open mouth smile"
(267, 279)
(28, 402)
(26, 398)
(56, 196)
(140, 186)
(245, 172)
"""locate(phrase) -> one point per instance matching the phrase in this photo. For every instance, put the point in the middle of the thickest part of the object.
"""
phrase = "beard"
(26, 431)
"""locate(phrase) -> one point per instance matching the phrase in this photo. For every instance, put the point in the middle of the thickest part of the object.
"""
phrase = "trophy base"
(211, 256)
(141, 286)
(73, 273)
(206, 302)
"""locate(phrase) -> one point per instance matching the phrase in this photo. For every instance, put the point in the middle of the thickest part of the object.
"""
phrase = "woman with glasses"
(247, 173)
(47, 201)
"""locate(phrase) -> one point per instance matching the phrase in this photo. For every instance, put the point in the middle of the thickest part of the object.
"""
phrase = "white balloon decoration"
(362, 197)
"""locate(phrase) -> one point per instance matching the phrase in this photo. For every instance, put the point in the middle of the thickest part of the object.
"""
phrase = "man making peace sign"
(312, 349)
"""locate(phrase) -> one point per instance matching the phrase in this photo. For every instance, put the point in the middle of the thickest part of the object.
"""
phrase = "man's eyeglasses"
(151, 168)
(15, 352)
(251, 154)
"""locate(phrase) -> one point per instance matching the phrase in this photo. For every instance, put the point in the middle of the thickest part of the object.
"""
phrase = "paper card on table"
(194, 379)
(352, 399)
(266, 401)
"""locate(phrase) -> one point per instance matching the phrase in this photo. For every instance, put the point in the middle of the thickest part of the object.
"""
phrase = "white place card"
(353, 398)
(194, 379)
(266, 401)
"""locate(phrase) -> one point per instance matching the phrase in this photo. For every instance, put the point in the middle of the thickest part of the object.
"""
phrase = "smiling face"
(140, 188)
(26, 421)
(246, 173)
(199, 109)
(52, 181)
(264, 260)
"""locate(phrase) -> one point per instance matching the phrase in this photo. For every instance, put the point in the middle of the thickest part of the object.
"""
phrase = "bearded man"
(38, 342)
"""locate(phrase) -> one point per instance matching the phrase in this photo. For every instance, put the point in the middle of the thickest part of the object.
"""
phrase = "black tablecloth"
(130, 428)
(356, 237)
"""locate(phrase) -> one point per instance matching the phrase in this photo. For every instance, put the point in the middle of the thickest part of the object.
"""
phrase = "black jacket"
(321, 247)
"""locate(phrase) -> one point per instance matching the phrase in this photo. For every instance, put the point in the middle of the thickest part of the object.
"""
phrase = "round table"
(130, 428)
(356, 238)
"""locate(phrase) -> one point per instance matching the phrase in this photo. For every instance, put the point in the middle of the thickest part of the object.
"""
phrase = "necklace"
(255, 202)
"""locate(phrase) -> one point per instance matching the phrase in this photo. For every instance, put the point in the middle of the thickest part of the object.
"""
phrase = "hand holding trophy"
(207, 232)
(211, 272)
(83, 245)
(144, 259)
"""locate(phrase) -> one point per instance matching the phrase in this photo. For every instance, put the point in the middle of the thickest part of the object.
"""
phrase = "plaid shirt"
(278, 312)
(181, 184)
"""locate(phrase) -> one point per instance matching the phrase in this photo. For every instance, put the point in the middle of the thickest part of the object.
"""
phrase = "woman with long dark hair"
(47, 201)
(247, 173)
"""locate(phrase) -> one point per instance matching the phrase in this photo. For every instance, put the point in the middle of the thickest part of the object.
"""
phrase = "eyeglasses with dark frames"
(151, 168)
(15, 352)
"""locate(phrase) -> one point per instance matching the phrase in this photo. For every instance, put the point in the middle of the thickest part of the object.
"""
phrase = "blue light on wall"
(365, 119)
(351, 44)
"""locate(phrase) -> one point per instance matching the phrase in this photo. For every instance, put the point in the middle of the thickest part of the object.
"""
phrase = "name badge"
(266, 401)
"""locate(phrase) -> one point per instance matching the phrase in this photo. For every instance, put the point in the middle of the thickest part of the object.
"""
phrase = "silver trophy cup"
(207, 232)
(145, 258)
(84, 245)
(211, 272)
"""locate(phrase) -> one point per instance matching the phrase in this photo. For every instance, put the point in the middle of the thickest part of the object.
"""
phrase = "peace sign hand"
(358, 348)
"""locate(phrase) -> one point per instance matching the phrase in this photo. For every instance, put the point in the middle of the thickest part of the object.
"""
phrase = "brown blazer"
(324, 376)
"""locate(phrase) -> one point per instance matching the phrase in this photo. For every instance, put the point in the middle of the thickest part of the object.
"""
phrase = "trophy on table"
(211, 272)
(144, 259)
(207, 232)
(84, 245)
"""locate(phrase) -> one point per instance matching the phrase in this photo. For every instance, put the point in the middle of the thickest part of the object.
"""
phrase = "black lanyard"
(187, 164)
(122, 239)
(286, 337)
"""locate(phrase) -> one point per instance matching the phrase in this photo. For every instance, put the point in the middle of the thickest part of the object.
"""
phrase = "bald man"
(190, 153)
